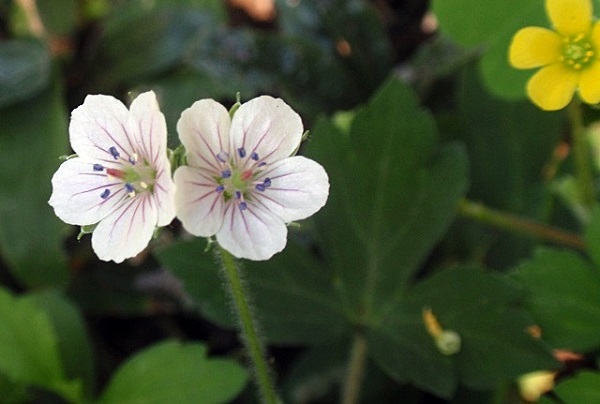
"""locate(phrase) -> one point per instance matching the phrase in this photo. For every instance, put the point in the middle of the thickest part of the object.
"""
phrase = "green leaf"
(562, 294)
(582, 388)
(307, 310)
(592, 237)
(296, 298)
(11, 392)
(73, 341)
(393, 194)
(58, 16)
(29, 351)
(24, 70)
(139, 43)
(317, 372)
(482, 308)
(172, 372)
(509, 145)
(32, 137)
(491, 25)
(198, 270)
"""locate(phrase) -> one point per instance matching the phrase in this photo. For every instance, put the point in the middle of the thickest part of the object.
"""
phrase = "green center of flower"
(136, 175)
(238, 176)
(577, 52)
(140, 175)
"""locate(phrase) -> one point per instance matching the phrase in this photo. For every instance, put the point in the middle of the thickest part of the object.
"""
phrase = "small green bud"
(87, 229)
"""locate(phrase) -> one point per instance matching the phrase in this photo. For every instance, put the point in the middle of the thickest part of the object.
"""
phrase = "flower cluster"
(569, 55)
(242, 183)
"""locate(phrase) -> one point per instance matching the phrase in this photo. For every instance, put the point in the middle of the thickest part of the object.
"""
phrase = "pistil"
(577, 52)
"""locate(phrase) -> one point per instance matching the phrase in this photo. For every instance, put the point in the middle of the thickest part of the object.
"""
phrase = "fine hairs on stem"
(241, 301)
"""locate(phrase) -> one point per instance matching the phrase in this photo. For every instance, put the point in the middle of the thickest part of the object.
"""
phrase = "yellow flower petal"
(589, 84)
(553, 86)
(595, 37)
(534, 47)
(570, 17)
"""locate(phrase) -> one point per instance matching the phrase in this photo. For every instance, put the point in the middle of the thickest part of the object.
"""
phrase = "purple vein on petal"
(212, 152)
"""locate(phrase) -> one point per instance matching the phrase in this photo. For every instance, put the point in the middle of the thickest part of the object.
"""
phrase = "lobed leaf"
(173, 372)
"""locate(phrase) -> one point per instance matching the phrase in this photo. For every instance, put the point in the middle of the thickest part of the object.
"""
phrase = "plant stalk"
(518, 224)
(252, 342)
(356, 369)
(581, 154)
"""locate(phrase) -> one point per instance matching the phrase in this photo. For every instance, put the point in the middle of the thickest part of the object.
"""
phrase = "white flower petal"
(127, 231)
(100, 123)
(149, 128)
(267, 126)
(199, 206)
(164, 195)
(76, 191)
(253, 233)
(204, 131)
(299, 188)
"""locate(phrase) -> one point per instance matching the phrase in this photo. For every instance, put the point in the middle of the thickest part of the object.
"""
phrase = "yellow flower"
(569, 55)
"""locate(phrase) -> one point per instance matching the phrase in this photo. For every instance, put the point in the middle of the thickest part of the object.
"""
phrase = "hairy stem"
(248, 325)
(519, 224)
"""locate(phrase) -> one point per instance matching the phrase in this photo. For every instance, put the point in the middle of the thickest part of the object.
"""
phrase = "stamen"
(225, 173)
(143, 185)
(264, 185)
(241, 152)
(98, 167)
(130, 190)
(262, 164)
(254, 156)
(105, 193)
(243, 206)
(113, 151)
(133, 158)
(223, 156)
(238, 194)
(220, 188)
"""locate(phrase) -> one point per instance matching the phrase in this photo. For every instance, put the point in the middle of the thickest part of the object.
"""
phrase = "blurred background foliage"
(411, 106)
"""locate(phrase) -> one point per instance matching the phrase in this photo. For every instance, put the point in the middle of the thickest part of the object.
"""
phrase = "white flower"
(241, 183)
(121, 177)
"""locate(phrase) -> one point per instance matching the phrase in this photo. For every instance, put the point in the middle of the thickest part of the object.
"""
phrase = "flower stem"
(356, 369)
(252, 342)
(581, 154)
(519, 224)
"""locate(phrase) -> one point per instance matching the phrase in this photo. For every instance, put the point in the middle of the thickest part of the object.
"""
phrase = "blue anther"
(222, 156)
(267, 182)
(241, 152)
(225, 173)
(243, 205)
(132, 159)
(113, 151)
(129, 188)
(98, 167)
(260, 187)
(254, 156)
(238, 194)
(220, 188)
(262, 164)
(105, 193)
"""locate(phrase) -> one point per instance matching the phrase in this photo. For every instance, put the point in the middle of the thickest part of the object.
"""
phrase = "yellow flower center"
(577, 52)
